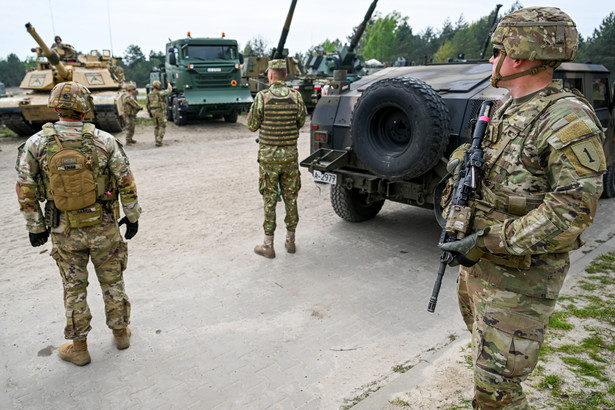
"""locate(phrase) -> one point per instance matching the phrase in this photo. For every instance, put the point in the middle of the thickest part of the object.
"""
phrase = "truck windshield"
(210, 53)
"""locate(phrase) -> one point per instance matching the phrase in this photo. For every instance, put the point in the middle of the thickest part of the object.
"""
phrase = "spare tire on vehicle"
(400, 128)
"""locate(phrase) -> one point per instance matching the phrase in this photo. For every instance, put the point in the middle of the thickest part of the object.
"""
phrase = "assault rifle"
(459, 214)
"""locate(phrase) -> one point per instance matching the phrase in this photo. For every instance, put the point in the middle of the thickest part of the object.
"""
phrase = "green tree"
(255, 47)
(381, 36)
(136, 66)
(12, 70)
(598, 48)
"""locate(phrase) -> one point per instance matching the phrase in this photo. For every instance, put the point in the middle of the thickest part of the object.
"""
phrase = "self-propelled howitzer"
(345, 58)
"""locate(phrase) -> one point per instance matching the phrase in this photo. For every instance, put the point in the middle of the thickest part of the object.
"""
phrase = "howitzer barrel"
(51, 56)
(279, 52)
(357, 36)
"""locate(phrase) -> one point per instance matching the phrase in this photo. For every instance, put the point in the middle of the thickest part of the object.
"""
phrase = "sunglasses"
(496, 51)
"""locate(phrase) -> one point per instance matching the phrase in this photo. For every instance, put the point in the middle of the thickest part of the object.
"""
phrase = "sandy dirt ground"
(349, 307)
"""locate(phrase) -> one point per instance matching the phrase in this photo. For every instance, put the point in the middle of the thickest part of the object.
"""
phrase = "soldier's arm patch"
(586, 156)
(575, 130)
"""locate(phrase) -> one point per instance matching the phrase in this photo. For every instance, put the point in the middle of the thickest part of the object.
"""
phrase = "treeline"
(387, 39)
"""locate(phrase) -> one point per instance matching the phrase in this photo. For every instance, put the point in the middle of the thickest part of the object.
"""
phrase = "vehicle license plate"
(325, 177)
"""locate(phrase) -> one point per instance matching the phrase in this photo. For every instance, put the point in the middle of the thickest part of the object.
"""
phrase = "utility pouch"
(88, 216)
(52, 215)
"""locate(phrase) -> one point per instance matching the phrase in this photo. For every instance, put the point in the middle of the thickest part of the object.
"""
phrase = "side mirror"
(240, 58)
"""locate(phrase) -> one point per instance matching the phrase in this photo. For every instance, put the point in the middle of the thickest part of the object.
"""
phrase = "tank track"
(109, 121)
(18, 125)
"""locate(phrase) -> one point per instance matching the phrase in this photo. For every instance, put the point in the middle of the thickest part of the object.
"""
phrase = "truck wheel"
(231, 118)
(400, 128)
(179, 118)
(352, 205)
(609, 182)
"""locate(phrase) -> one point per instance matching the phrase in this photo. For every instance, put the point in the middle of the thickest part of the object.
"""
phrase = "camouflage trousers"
(108, 252)
(507, 333)
(287, 178)
(129, 120)
(160, 125)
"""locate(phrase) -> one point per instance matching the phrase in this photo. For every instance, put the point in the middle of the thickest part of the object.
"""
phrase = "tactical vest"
(496, 205)
(155, 101)
(279, 126)
(129, 108)
(75, 183)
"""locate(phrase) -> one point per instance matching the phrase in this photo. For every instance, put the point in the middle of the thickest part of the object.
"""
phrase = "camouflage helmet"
(70, 96)
(157, 84)
(130, 87)
(537, 33)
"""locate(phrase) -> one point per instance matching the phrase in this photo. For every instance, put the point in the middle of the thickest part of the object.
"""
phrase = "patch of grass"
(551, 382)
(144, 121)
(585, 368)
(586, 401)
(558, 320)
(5, 132)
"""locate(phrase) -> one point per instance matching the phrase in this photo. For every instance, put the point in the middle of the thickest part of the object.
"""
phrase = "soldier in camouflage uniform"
(78, 171)
(131, 108)
(279, 113)
(542, 180)
(157, 108)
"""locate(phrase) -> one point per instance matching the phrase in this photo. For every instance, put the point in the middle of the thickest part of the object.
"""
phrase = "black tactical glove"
(38, 239)
(468, 249)
(131, 227)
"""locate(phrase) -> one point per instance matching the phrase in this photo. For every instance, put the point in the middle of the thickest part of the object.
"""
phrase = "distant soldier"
(65, 51)
(543, 173)
(131, 108)
(157, 107)
(79, 171)
(279, 113)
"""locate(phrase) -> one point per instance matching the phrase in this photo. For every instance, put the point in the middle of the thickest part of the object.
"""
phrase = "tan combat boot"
(122, 338)
(290, 242)
(76, 353)
(266, 249)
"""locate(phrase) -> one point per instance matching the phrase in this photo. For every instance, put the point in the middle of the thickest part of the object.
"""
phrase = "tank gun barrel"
(495, 19)
(51, 56)
(357, 36)
(279, 52)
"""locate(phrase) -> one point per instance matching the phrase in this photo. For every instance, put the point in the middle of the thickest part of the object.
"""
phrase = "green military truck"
(206, 77)
(388, 136)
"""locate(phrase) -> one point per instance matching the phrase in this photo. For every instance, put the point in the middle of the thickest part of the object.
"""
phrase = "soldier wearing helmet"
(131, 108)
(157, 108)
(541, 182)
(79, 171)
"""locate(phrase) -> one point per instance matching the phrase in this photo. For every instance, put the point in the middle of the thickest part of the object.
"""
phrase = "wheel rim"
(391, 130)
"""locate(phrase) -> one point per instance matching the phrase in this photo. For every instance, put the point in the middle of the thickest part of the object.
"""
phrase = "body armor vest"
(279, 126)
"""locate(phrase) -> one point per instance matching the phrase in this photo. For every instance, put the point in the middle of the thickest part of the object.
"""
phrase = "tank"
(25, 114)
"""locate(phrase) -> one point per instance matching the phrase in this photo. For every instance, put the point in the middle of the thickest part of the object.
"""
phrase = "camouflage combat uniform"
(279, 113)
(542, 181)
(131, 108)
(72, 247)
(157, 105)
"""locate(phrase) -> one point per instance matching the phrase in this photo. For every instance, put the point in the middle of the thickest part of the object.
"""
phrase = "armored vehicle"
(25, 114)
(206, 78)
(346, 58)
(388, 136)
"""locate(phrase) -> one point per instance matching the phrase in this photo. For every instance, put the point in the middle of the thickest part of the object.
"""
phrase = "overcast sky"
(115, 24)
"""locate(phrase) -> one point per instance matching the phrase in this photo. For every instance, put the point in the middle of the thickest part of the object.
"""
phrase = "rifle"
(459, 213)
